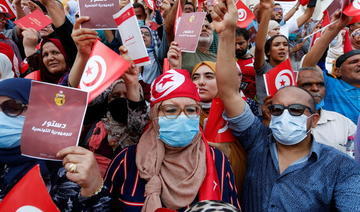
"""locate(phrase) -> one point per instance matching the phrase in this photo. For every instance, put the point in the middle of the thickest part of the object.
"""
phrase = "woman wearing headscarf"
(171, 166)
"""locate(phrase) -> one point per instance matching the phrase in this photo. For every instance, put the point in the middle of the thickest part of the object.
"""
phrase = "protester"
(342, 93)
(287, 170)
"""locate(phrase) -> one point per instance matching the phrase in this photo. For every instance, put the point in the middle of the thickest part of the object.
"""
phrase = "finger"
(84, 31)
(72, 150)
(73, 158)
(85, 37)
(123, 50)
(81, 20)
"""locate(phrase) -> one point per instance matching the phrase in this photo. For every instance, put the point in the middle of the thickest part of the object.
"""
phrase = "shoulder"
(335, 116)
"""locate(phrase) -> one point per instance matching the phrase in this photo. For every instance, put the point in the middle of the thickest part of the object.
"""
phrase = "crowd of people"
(143, 149)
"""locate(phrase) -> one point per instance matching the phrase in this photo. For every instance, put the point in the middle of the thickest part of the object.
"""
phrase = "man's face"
(312, 81)
(2, 21)
(277, 13)
(188, 8)
(140, 15)
(350, 70)
(206, 35)
(293, 95)
(241, 46)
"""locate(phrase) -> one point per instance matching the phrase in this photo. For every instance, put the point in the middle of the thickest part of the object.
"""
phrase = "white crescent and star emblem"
(167, 84)
(284, 78)
(150, 2)
(4, 8)
(28, 208)
(356, 4)
(94, 73)
(242, 14)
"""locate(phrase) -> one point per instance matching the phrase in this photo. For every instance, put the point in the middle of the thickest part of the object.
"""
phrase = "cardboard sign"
(100, 13)
(189, 30)
(53, 120)
(36, 20)
(131, 35)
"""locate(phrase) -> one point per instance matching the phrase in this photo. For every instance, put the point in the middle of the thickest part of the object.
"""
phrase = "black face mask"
(240, 53)
(119, 110)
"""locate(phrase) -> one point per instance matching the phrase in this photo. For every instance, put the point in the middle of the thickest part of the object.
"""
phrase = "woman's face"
(355, 38)
(275, 31)
(53, 59)
(205, 81)
(119, 91)
(279, 50)
(171, 107)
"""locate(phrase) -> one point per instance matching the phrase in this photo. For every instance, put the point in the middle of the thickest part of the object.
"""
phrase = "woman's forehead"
(179, 101)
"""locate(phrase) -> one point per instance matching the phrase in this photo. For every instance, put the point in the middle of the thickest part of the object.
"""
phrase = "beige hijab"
(174, 175)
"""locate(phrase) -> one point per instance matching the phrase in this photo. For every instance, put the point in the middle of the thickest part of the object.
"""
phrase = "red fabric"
(30, 192)
(103, 68)
(150, 4)
(173, 83)
(164, 210)
(280, 76)
(103, 163)
(355, 19)
(178, 15)
(210, 188)
(347, 42)
(97, 136)
(304, 2)
(245, 16)
(326, 19)
(6, 7)
(35, 75)
(216, 129)
(353, 9)
(248, 77)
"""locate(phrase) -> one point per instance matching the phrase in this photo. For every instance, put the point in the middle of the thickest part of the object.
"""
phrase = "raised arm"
(56, 13)
(84, 40)
(224, 22)
(292, 11)
(265, 9)
(320, 46)
(305, 17)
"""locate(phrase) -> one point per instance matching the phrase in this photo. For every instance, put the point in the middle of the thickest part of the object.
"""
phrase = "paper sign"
(189, 29)
(53, 120)
(6, 6)
(36, 20)
(100, 13)
(337, 5)
(131, 35)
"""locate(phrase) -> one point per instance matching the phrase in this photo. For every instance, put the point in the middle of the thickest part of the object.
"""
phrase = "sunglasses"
(13, 107)
(294, 109)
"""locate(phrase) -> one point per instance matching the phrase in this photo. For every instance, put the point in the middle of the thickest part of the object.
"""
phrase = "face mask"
(320, 104)
(288, 129)
(178, 132)
(119, 110)
(141, 23)
(10, 130)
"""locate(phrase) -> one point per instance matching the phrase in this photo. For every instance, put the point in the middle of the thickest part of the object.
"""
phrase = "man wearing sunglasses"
(287, 170)
(333, 128)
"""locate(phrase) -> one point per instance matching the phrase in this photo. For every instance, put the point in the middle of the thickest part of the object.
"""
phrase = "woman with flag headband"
(172, 166)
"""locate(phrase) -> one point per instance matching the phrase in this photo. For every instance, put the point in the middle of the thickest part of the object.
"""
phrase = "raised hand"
(224, 16)
(84, 38)
(174, 56)
(30, 40)
(82, 169)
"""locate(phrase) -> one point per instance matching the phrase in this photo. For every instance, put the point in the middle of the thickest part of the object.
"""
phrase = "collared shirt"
(325, 181)
(342, 97)
(334, 129)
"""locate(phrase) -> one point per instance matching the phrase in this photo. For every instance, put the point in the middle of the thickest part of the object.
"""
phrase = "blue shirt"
(324, 180)
(342, 97)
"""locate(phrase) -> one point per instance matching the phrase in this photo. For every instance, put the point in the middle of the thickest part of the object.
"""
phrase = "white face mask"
(288, 129)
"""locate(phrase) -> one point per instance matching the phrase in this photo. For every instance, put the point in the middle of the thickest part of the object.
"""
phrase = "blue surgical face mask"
(320, 105)
(141, 23)
(178, 132)
(288, 129)
(10, 130)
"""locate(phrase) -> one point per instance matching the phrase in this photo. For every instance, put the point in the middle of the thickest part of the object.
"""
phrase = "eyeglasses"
(173, 111)
(276, 9)
(294, 109)
(13, 107)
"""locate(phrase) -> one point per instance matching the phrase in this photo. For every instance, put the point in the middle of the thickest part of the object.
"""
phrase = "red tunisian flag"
(29, 194)
(353, 9)
(245, 16)
(280, 76)
(6, 7)
(103, 68)
(347, 42)
(150, 4)
(216, 129)
(304, 2)
(178, 16)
